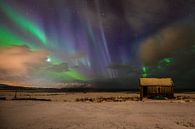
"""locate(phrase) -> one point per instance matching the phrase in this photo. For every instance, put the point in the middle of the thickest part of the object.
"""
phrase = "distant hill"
(78, 89)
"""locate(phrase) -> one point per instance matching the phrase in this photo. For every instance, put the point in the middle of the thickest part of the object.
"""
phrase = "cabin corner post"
(172, 90)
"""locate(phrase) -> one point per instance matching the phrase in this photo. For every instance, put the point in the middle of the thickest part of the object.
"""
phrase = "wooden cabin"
(152, 87)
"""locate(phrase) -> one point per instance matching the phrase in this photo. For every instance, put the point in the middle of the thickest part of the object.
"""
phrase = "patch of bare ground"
(107, 99)
(185, 124)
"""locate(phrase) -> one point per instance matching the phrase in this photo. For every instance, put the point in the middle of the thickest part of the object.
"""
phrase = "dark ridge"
(34, 99)
(77, 89)
(2, 98)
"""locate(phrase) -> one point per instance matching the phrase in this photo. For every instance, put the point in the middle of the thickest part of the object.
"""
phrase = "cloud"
(98, 12)
(118, 66)
(167, 43)
(140, 13)
(16, 61)
(58, 67)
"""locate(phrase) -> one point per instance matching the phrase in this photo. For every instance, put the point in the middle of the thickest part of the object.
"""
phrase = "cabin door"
(145, 91)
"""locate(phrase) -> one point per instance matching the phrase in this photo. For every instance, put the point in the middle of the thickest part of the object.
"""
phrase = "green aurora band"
(8, 39)
(68, 75)
(24, 23)
(167, 60)
(144, 71)
(75, 75)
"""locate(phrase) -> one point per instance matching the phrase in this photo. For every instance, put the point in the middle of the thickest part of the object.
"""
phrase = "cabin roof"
(156, 82)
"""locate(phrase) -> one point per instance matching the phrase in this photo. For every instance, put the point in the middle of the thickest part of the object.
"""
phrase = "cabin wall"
(157, 90)
(165, 90)
(152, 89)
(160, 90)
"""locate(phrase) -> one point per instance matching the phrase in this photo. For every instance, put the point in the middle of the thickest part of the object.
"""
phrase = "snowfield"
(147, 114)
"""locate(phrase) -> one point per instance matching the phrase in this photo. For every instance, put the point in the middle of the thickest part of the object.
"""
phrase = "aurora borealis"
(84, 40)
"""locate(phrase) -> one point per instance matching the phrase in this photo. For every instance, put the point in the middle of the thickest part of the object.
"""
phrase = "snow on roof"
(156, 82)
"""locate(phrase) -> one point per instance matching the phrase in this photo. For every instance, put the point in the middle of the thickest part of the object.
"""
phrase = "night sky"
(84, 40)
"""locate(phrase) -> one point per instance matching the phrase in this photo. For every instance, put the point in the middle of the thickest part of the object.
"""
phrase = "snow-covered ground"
(147, 114)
